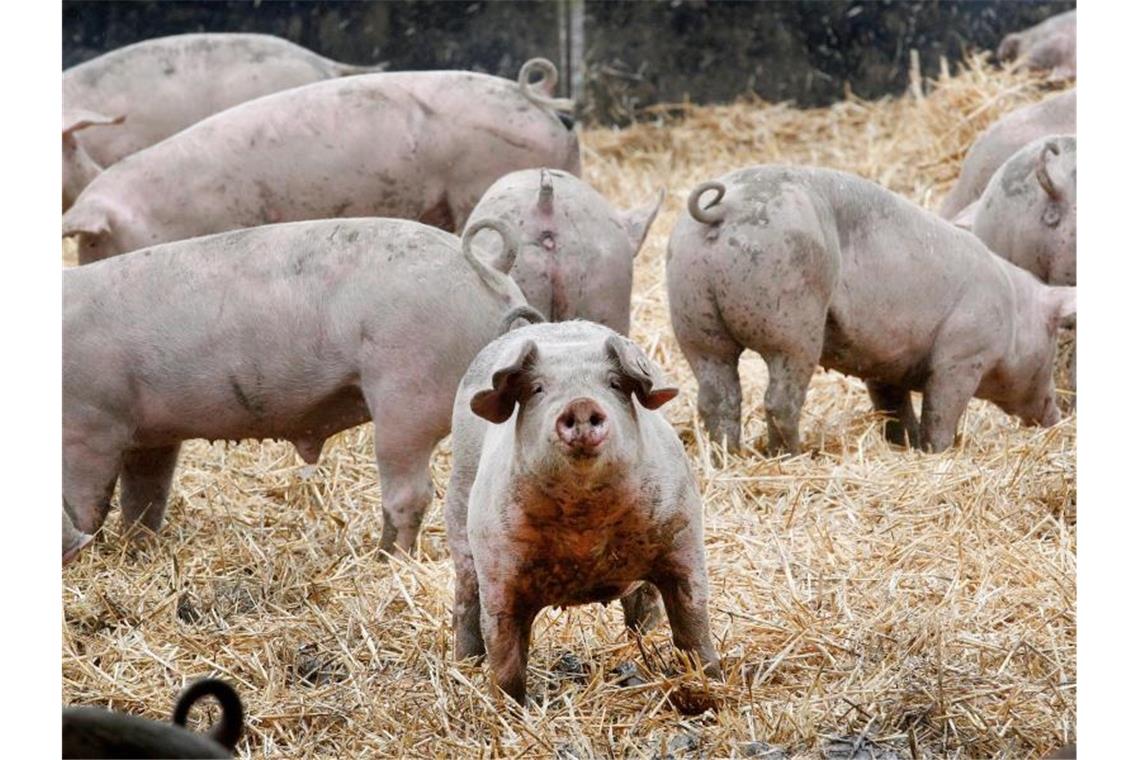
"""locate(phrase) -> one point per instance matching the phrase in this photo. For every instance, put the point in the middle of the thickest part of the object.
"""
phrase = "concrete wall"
(629, 53)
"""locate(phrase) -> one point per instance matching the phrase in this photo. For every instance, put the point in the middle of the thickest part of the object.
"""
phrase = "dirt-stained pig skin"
(568, 487)
(813, 267)
(420, 145)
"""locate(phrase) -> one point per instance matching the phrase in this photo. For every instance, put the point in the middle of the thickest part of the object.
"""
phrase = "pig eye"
(615, 383)
(536, 389)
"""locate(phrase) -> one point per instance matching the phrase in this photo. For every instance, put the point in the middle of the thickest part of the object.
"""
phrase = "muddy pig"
(576, 255)
(164, 85)
(92, 732)
(1049, 46)
(412, 145)
(1028, 213)
(293, 331)
(817, 267)
(1053, 116)
(568, 487)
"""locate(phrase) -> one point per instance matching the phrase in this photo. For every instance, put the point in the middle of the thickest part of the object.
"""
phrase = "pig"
(166, 84)
(79, 168)
(812, 267)
(412, 145)
(576, 260)
(569, 487)
(1049, 46)
(1028, 213)
(1056, 115)
(92, 732)
(293, 331)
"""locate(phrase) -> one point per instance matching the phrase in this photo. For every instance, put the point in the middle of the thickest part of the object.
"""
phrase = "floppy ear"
(645, 378)
(85, 220)
(637, 221)
(967, 216)
(1009, 48)
(79, 118)
(1062, 305)
(497, 403)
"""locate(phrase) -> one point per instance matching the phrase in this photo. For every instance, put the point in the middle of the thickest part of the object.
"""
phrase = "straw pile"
(866, 600)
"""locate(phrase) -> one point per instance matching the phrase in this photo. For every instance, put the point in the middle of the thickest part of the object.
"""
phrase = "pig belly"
(306, 425)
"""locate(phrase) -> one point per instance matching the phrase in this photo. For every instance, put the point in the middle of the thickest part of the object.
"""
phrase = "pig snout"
(583, 427)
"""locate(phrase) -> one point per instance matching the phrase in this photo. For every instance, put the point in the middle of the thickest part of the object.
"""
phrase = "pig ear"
(637, 221)
(1062, 307)
(1009, 47)
(966, 216)
(647, 381)
(497, 403)
(78, 119)
(85, 220)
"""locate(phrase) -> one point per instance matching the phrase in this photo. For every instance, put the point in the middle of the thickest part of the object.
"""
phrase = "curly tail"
(1042, 170)
(227, 730)
(495, 276)
(532, 315)
(549, 79)
(702, 215)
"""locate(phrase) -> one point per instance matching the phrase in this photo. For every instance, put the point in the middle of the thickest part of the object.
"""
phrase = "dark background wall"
(635, 53)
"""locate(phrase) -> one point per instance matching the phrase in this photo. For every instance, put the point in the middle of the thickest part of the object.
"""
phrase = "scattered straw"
(863, 598)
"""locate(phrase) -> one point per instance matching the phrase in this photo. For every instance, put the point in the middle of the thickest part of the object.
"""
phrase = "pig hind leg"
(406, 433)
(642, 608)
(144, 485)
(713, 355)
(902, 424)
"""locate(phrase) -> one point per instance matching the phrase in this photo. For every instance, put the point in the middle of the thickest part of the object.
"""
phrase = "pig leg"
(506, 629)
(642, 608)
(685, 594)
(788, 378)
(465, 613)
(73, 540)
(90, 468)
(144, 485)
(406, 490)
(944, 399)
(895, 401)
(714, 356)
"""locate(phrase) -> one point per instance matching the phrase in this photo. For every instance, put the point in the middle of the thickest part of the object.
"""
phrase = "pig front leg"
(144, 485)
(91, 465)
(465, 612)
(944, 399)
(506, 629)
(684, 589)
(902, 424)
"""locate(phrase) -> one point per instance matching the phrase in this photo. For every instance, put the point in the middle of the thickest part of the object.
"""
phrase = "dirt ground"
(867, 601)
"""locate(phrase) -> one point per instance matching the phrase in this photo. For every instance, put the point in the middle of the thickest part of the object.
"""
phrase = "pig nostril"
(596, 419)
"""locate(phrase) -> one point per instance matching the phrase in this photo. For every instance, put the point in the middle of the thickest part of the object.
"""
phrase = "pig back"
(413, 145)
(164, 85)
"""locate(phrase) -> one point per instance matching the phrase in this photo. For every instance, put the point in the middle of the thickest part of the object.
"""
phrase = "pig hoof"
(73, 551)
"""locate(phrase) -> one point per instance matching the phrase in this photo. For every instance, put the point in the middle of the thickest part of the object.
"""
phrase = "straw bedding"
(867, 601)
